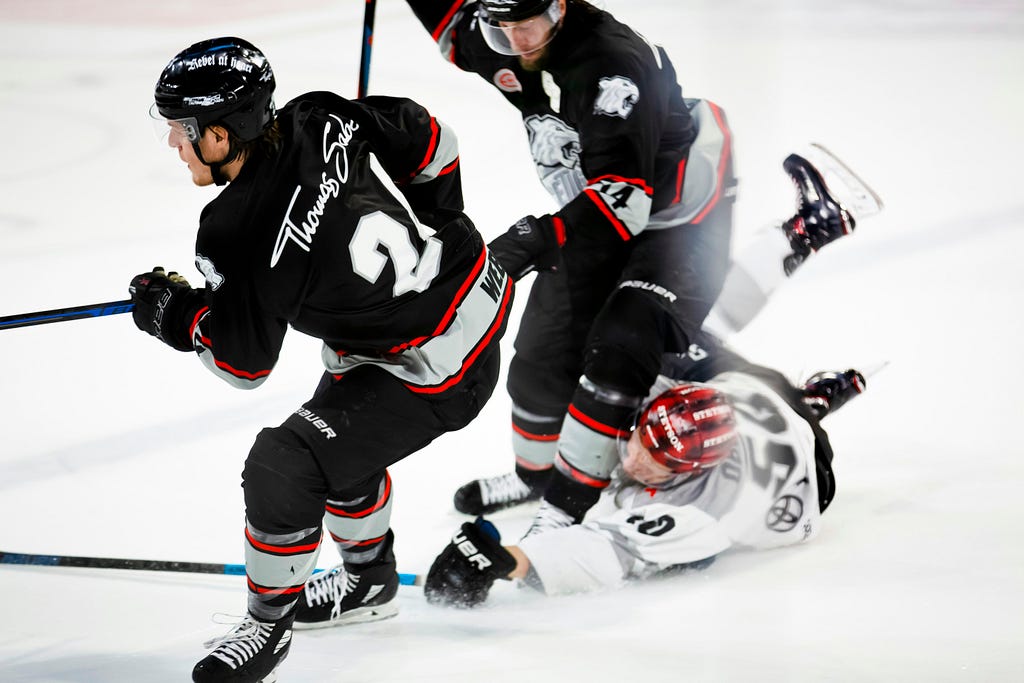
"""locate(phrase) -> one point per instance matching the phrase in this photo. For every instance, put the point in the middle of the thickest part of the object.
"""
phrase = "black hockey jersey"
(609, 130)
(350, 232)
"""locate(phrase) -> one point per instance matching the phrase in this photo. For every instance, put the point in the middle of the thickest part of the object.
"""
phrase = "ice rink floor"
(112, 445)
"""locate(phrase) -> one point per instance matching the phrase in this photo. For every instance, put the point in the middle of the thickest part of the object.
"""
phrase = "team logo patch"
(507, 81)
(616, 96)
(552, 142)
(209, 271)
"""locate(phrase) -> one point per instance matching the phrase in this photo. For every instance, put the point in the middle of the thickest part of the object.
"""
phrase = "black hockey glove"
(462, 575)
(531, 244)
(826, 392)
(165, 306)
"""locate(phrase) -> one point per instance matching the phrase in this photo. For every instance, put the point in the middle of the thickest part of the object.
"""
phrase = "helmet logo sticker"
(616, 97)
(203, 100)
(334, 176)
(506, 80)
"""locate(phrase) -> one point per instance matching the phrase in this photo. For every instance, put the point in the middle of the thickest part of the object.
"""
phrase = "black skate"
(350, 596)
(484, 496)
(819, 219)
(826, 392)
(249, 653)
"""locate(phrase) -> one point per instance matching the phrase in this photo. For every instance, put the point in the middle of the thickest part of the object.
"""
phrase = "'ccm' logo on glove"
(470, 551)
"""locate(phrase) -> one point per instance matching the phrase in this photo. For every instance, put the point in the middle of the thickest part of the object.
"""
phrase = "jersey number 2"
(413, 271)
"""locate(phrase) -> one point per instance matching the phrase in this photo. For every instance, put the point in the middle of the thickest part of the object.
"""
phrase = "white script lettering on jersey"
(335, 154)
(617, 97)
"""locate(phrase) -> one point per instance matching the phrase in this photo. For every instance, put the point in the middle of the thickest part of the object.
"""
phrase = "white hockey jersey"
(763, 496)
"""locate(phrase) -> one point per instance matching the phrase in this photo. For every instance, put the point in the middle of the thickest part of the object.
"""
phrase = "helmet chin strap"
(216, 167)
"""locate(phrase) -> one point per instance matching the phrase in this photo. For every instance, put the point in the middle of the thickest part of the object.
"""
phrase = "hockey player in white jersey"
(726, 456)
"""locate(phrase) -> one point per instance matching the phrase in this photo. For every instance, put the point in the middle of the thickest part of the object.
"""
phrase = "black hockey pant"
(591, 342)
(328, 463)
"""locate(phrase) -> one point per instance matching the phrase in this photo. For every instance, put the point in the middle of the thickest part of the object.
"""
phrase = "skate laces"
(323, 587)
(548, 517)
(503, 489)
(244, 641)
(341, 590)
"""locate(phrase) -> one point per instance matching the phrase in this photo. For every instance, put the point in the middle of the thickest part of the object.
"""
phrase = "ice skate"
(548, 517)
(338, 597)
(249, 653)
(819, 218)
(484, 496)
(826, 392)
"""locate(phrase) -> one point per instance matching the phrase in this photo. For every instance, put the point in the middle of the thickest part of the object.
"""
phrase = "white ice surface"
(112, 445)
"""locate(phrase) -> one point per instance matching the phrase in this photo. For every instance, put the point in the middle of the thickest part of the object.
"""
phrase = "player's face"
(529, 38)
(201, 173)
(639, 464)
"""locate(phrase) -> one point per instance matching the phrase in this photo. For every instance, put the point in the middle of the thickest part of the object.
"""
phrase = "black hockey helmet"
(536, 21)
(514, 10)
(223, 81)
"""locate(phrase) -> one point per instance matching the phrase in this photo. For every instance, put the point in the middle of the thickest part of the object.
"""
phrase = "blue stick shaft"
(57, 315)
(147, 565)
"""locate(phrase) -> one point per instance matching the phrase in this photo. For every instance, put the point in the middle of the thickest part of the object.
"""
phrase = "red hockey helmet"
(689, 428)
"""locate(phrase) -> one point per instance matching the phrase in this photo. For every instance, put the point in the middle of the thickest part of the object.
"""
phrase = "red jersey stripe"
(612, 218)
(726, 150)
(436, 35)
(477, 350)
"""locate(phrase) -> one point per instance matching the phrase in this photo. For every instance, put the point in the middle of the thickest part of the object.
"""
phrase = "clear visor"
(516, 38)
(175, 132)
(640, 465)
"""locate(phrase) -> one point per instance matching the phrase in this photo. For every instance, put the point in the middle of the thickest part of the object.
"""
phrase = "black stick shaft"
(367, 48)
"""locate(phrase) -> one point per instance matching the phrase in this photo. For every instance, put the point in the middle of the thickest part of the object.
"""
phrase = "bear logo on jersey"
(209, 271)
(555, 148)
(616, 96)
(552, 142)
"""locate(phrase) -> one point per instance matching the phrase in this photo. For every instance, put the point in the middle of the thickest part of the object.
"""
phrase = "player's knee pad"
(284, 488)
(626, 344)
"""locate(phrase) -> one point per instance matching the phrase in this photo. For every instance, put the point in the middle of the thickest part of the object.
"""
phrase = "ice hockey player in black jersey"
(643, 253)
(343, 220)
(644, 179)
(725, 455)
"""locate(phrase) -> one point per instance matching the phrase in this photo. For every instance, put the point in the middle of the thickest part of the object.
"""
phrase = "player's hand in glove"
(826, 392)
(165, 306)
(462, 575)
(531, 244)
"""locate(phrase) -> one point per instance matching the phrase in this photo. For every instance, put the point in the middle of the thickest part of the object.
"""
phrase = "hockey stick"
(149, 565)
(61, 314)
(364, 57)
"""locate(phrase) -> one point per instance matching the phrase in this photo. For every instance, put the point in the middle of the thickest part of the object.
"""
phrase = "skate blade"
(850, 189)
(359, 615)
